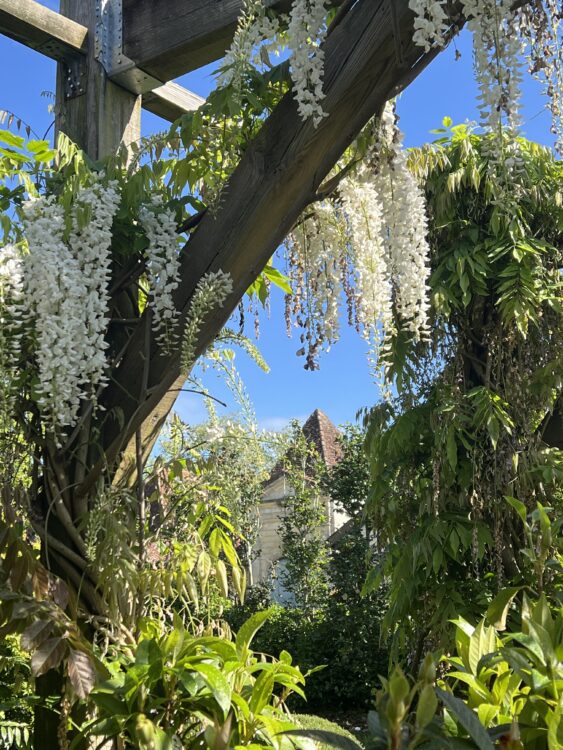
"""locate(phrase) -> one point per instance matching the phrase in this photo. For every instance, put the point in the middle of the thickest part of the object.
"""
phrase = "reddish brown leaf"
(48, 655)
(19, 572)
(40, 580)
(35, 634)
(81, 672)
(59, 592)
(4, 537)
(10, 557)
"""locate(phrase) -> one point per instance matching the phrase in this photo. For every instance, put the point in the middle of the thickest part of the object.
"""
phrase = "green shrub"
(16, 695)
(177, 689)
(344, 639)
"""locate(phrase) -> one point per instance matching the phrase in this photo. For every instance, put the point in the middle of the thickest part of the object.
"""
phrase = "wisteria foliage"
(363, 245)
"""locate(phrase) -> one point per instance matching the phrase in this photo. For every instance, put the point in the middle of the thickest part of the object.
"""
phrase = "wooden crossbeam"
(167, 38)
(171, 101)
(42, 29)
(61, 38)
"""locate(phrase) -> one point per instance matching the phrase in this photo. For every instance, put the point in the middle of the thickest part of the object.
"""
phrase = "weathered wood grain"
(42, 29)
(171, 101)
(106, 115)
(63, 39)
(167, 38)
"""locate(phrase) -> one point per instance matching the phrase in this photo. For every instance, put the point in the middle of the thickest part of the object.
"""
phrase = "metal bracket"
(109, 50)
(74, 71)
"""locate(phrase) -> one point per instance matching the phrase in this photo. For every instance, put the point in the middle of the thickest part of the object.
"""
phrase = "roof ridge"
(320, 430)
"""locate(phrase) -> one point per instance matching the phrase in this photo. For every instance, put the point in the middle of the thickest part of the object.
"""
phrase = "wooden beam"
(63, 39)
(167, 38)
(42, 29)
(97, 115)
(369, 58)
(171, 101)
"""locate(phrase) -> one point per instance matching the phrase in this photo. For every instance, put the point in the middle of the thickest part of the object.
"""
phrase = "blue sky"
(343, 384)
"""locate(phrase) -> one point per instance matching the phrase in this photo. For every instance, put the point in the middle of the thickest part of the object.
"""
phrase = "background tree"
(304, 550)
(467, 430)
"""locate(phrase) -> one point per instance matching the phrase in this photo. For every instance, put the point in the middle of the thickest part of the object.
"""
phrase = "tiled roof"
(318, 429)
(322, 432)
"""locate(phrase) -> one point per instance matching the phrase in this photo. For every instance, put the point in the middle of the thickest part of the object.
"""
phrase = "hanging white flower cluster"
(315, 281)
(65, 297)
(371, 246)
(502, 30)
(497, 48)
(259, 33)
(163, 269)
(430, 23)
(54, 294)
(406, 228)
(364, 217)
(256, 34)
(210, 294)
(11, 280)
(306, 32)
(90, 242)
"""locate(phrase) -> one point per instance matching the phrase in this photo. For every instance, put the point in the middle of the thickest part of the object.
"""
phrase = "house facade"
(319, 430)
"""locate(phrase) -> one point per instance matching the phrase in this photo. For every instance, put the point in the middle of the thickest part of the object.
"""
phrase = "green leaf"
(426, 707)
(217, 684)
(493, 430)
(554, 723)
(481, 643)
(249, 629)
(467, 718)
(10, 139)
(261, 692)
(278, 279)
(518, 506)
(221, 572)
(498, 608)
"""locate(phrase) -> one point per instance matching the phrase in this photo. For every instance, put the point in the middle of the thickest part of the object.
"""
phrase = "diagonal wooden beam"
(167, 38)
(62, 39)
(369, 57)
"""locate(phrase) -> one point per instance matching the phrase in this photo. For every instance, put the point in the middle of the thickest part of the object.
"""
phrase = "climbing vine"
(468, 431)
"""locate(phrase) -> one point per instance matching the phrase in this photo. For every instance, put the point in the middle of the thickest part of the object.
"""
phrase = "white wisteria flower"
(11, 284)
(163, 269)
(369, 246)
(65, 296)
(210, 294)
(90, 242)
(256, 31)
(53, 297)
(430, 23)
(406, 229)
(306, 32)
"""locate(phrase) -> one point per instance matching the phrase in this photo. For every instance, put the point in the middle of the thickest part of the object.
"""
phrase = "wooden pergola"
(116, 57)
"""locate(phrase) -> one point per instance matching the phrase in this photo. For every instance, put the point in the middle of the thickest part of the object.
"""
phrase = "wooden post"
(99, 116)
(94, 112)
